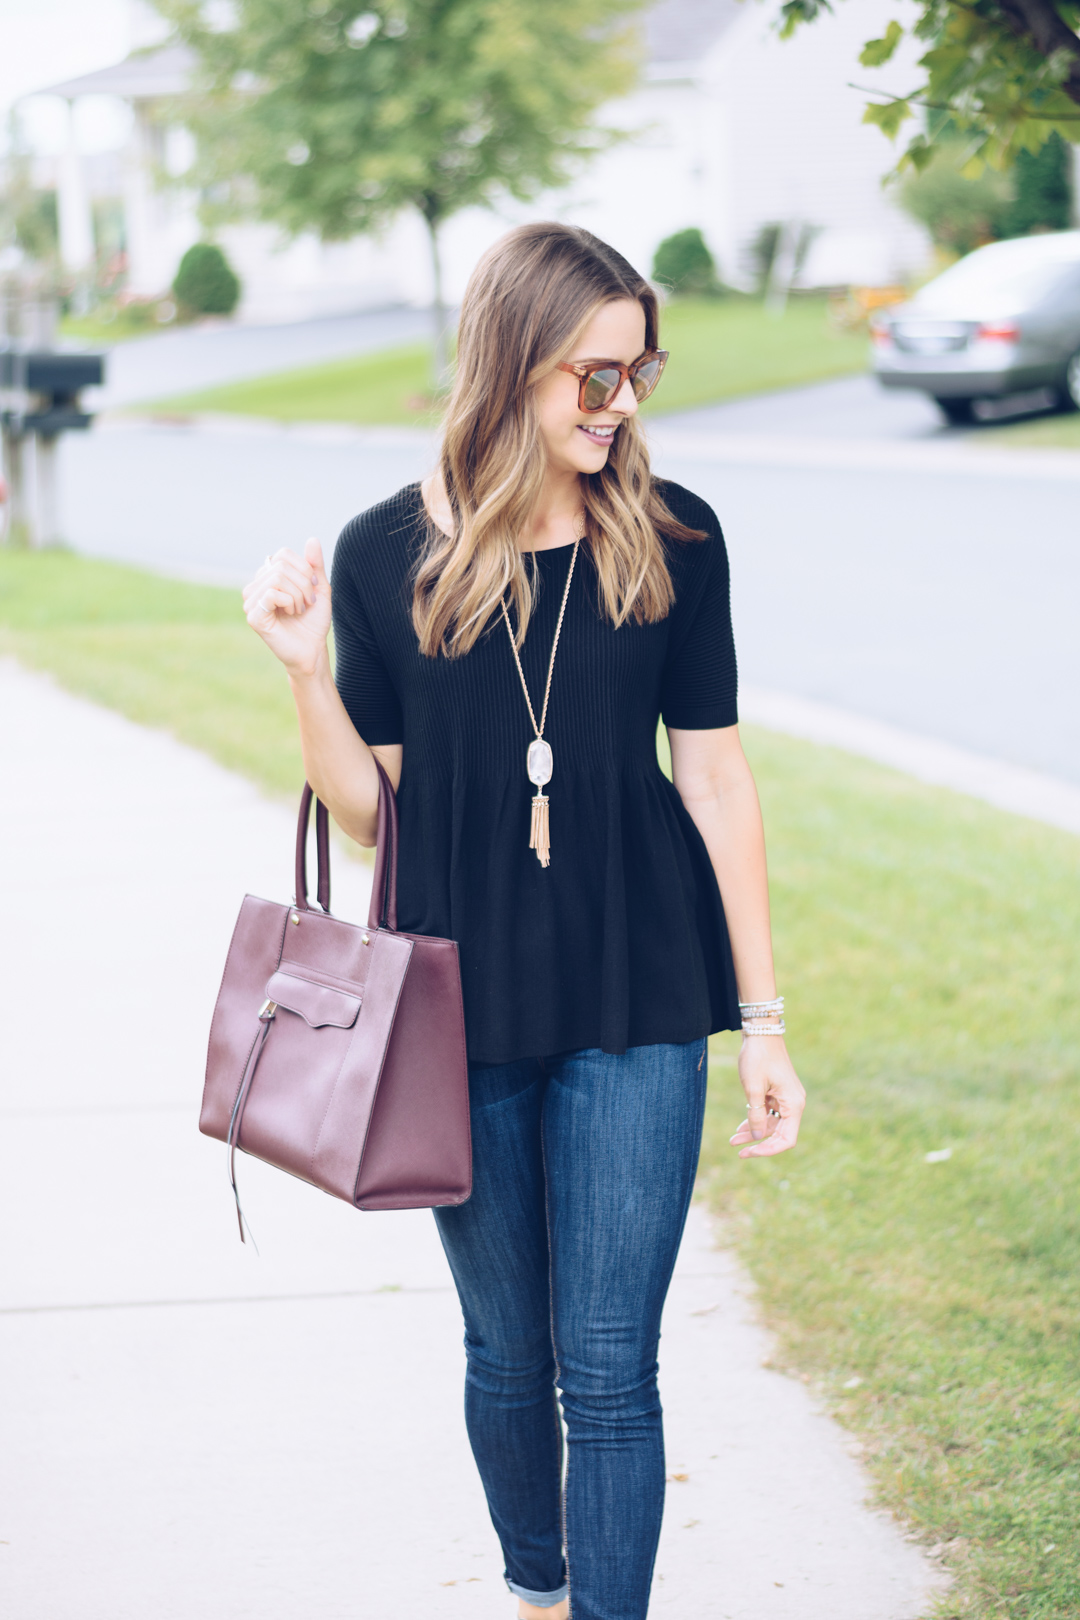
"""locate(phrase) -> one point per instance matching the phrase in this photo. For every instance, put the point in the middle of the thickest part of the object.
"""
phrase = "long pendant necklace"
(538, 761)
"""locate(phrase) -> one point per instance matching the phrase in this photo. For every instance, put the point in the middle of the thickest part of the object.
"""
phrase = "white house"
(731, 128)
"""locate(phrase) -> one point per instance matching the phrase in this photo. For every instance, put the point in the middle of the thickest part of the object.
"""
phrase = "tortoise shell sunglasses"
(600, 380)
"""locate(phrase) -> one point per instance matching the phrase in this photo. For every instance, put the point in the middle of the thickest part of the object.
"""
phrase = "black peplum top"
(621, 941)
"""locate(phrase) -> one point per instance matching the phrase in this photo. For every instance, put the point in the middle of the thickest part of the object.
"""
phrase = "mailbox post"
(40, 394)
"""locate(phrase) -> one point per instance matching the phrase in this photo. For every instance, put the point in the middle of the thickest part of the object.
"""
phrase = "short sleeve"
(699, 686)
(363, 680)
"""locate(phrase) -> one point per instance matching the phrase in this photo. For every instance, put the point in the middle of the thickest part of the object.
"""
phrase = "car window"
(979, 287)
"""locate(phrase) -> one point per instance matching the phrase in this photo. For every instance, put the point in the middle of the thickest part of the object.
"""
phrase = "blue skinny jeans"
(583, 1167)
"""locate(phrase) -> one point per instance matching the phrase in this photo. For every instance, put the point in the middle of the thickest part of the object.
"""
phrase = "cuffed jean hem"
(541, 1600)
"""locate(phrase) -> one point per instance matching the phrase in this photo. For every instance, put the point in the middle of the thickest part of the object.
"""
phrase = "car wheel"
(1071, 399)
(956, 411)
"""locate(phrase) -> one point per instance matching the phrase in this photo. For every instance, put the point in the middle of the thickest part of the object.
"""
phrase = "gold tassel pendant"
(539, 835)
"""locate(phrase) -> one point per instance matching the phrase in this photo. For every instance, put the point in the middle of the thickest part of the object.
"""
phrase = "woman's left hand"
(774, 1095)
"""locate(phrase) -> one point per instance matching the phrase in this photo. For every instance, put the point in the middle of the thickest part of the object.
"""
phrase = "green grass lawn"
(163, 652)
(720, 348)
(723, 348)
(928, 947)
(108, 324)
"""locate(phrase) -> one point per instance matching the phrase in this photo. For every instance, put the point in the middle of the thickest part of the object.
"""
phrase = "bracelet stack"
(753, 1010)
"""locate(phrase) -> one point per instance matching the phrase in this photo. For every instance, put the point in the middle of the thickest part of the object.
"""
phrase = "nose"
(625, 401)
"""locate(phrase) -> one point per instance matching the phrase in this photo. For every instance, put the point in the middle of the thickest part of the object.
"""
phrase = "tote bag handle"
(322, 846)
(382, 912)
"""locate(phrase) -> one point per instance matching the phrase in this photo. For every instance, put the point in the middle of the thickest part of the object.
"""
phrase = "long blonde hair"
(527, 301)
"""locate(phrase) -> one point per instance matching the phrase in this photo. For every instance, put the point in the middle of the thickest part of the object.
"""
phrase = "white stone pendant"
(539, 763)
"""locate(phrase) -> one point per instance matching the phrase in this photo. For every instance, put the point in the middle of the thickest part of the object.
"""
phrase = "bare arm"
(715, 784)
(288, 605)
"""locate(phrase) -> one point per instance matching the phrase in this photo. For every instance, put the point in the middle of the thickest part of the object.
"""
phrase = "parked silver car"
(1003, 320)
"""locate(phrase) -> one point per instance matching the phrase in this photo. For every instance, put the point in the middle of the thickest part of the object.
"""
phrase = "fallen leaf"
(682, 1478)
(690, 1523)
(778, 1583)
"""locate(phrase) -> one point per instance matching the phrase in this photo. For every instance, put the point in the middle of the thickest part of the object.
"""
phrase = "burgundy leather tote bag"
(337, 1053)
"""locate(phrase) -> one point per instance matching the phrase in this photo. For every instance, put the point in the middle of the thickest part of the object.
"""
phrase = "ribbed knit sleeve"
(699, 686)
(363, 680)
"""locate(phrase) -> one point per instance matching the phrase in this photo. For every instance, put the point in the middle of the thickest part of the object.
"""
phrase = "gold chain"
(539, 729)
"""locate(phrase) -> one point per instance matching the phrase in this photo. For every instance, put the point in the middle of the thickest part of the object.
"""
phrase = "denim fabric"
(583, 1166)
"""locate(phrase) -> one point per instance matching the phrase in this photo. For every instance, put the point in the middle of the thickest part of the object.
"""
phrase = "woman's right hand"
(288, 605)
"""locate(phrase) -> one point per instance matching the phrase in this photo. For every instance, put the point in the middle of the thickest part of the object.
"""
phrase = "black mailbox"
(56, 377)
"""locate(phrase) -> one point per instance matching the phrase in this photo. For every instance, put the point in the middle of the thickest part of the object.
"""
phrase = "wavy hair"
(527, 302)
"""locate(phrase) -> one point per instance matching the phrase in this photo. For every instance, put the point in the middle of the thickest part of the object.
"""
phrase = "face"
(579, 441)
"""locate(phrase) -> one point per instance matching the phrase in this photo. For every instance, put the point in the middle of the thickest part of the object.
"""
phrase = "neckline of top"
(526, 551)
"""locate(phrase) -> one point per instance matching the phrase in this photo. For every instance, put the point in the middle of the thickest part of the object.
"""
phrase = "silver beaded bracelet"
(762, 1009)
(765, 1029)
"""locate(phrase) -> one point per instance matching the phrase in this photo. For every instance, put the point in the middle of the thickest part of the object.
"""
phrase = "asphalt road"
(844, 408)
(921, 584)
(851, 408)
(194, 357)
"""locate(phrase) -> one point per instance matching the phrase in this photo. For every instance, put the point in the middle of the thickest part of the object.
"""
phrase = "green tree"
(960, 211)
(337, 114)
(963, 211)
(28, 216)
(1042, 190)
(1004, 74)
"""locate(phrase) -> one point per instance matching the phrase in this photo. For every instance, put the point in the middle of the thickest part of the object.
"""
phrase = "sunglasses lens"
(647, 378)
(600, 389)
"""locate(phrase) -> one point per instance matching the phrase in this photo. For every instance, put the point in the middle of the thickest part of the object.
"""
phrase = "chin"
(589, 458)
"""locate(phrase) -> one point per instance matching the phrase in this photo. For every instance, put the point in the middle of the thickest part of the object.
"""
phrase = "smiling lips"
(598, 435)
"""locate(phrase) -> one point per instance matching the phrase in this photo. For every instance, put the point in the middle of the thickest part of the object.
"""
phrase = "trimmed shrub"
(206, 283)
(684, 264)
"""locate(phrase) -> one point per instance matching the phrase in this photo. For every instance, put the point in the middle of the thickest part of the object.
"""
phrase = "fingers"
(314, 558)
(770, 1127)
(284, 584)
(783, 1137)
(269, 603)
(760, 1121)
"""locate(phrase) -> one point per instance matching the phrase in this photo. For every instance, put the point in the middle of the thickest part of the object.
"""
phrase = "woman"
(526, 616)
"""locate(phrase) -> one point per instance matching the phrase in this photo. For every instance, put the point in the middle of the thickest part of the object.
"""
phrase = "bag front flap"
(316, 1004)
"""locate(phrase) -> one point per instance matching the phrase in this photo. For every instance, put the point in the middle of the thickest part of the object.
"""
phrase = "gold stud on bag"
(539, 761)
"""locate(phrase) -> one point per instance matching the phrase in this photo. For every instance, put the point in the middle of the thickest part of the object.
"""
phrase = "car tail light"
(999, 331)
(879, 332)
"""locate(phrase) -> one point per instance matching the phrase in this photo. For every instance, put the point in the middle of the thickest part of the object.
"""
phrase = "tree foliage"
(28, 215)
(962, 212)
(1003, 74)
(336, 114)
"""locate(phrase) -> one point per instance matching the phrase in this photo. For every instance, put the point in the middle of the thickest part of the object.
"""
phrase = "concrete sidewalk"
(194, 1432)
